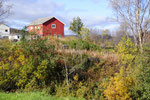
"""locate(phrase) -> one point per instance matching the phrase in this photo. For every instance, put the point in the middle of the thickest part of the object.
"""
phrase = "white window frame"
(55, 35)
(31, 27)
(59, 36)
(53, 27)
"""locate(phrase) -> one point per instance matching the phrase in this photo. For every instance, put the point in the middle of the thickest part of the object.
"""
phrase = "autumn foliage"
(37, 65)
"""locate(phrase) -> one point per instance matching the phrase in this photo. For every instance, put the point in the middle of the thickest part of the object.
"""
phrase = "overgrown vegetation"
(37, 65)
(80, 44)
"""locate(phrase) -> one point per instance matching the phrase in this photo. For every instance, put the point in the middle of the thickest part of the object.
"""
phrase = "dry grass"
(111, 56)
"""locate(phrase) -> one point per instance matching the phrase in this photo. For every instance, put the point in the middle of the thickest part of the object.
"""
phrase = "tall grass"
(32, 96)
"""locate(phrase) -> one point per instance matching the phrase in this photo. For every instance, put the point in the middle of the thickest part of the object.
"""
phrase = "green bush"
(30, 65)
(5, 46)
(141, 73)
(82, 45)
(88, 90)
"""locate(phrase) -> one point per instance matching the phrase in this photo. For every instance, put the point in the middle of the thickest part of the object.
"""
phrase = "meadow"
(32, 96)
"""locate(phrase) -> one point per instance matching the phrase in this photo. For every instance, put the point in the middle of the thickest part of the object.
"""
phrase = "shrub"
(141, 72)
(127, 51)
(5, 46)
(82, 45)
(34, 64)
(119, 86)
(88, 90)
(30, 65)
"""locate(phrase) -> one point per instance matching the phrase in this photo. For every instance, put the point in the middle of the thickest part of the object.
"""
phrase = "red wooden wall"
(46, 29)
(59, 30)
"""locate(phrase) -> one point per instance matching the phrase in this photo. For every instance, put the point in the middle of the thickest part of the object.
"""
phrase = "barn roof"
(42, 20)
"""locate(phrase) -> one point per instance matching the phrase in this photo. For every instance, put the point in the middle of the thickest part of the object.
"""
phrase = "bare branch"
(135, 13)
(4, 10)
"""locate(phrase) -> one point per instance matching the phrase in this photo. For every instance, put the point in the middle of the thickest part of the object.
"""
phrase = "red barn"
(47, 26)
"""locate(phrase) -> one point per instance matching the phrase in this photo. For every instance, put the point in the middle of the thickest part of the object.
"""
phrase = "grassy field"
(32, 96)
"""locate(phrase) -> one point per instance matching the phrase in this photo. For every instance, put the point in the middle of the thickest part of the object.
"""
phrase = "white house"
(4, 31)
(10, 33)
(15, 37)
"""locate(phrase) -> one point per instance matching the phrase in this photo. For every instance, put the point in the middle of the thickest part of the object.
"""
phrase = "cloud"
(99, 1)
(96, 1)
(98, 22)
(93, 20)
(76, 10)
(27, 11)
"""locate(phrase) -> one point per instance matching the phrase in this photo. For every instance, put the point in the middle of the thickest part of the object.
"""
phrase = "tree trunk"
(135, 40)
(67, 75)
(140, 42)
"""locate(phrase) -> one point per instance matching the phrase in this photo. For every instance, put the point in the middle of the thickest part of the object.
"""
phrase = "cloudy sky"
(94, 13)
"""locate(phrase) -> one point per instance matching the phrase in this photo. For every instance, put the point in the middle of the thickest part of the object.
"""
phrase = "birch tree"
(136, 15)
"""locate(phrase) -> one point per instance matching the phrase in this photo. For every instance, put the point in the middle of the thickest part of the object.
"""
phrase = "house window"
(31, 28)
(35, 27)
(53, 26)
(59, 36)
(6, 30)
(38, 27)
(55, 35)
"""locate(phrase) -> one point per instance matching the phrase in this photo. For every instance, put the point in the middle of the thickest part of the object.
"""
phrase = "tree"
(85, 33)
(4, 10)
(24, 33)
(76, 25)
(136, 15)
(105, 38)
(95, 35)
(121, 32)
(105, 34)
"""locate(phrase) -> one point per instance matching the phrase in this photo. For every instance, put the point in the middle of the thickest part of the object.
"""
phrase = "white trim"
(53, 27)
(59, 20)
(37, 22)
(54, 35)
(59, 35)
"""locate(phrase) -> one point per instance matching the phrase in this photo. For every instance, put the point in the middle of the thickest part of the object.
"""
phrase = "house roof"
(43, 20)
(4, 24)
(15, 31)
